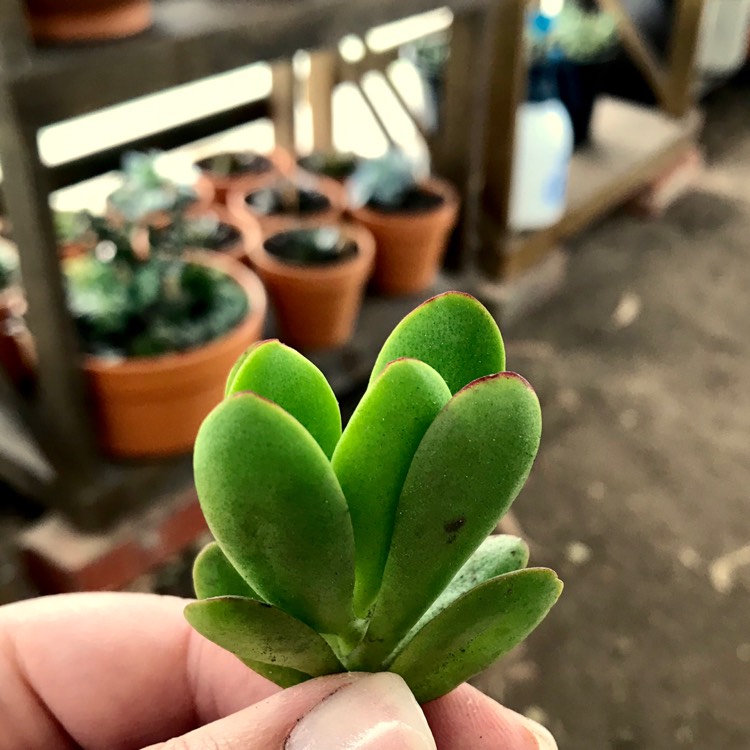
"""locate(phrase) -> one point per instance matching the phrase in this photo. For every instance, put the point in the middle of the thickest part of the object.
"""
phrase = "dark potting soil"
(222, 238)
(241, 163)
(416, 200)
(311, 247)
(269, 202)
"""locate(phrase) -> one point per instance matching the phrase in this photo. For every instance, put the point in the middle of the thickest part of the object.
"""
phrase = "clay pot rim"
(237, 249)
(135, 366)
(331, 189)
(279, 158)
(364, 257)
(435, 185)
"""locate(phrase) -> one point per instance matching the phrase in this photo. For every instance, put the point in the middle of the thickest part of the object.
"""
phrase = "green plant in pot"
(241, 171)
(287, 203)
(158, 327)
(316, 277)
(584, 39)
(337, 165)
(73, 232)
(212, 231)
(147, 194)
(375, 552)
(411, 219)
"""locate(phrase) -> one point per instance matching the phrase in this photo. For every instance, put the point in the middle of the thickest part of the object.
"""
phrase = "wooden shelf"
(630, 146)
(192, 39)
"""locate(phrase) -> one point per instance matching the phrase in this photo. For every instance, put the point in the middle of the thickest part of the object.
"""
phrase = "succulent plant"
(71, 226)
(146, 190)
(127, 303)
(383, 181)
(337, 165)
(370, 549)
(583, 33)
(314, 246)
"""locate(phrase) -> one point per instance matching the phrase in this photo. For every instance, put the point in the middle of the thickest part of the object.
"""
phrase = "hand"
(124, 671)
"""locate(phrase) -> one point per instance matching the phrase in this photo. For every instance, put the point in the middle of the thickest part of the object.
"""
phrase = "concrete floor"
(640, 496)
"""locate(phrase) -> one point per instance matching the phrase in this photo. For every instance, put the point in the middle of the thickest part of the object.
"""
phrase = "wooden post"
(682, 53)
(507, 84)
(456, 147)
(282, 104)
(320, 87)
(14, 36)
(61, 399)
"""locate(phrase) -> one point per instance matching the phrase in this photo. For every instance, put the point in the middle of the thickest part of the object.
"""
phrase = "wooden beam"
(682, 53)
(61, 398)
(15, 41)
(320, 86)
(282, 104)
(458, 145)
(506, 89)
(640, 53)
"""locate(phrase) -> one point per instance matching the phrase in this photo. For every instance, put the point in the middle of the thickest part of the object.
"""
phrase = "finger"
(466, 719)
(112, 670)
(341, 712)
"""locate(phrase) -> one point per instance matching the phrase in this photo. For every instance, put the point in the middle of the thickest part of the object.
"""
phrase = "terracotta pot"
(74, 249)
(153, 406)
(246, 239)
(281, 162)
(17, 346)
(317, 307)
(205, 198)
(275, 223)
(82, 20)
(411, 246)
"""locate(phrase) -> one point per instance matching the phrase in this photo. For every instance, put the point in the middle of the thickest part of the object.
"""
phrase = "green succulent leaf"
(495, 556)
(273, 503)
(213, 575)
(475, 630)
(373, 457)
(468, 469)
(262, 634)
(452, 333)
(284, 376)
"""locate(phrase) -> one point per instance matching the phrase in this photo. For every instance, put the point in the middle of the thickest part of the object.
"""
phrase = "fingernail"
(542, 735)
(377, 711)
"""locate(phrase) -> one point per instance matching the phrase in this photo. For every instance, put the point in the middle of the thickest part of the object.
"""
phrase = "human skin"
(126, 671)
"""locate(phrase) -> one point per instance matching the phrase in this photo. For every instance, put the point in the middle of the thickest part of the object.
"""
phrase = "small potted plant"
(289, 203)
(212, 230)
(316, 278)
(242, 171)
(84, 20)
(158, 331)
(411, 221)
(150, 195)
(73, 233)
(336, 165)
(375, 553)
(586, 39)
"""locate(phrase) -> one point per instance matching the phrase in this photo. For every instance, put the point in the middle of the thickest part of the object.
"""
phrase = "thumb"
(340, 712)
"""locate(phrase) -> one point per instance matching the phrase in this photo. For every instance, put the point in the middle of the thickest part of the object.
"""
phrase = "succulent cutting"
(371, 549)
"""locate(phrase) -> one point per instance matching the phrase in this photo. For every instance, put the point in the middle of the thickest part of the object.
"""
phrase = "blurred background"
(183, 177)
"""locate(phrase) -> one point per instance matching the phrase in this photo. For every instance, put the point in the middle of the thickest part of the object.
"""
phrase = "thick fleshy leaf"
(468, 469)
(213, 575)
(476, 629)
(494, 557)
(373, 457)
(260, 633)
(452, 333)
(284, 376)
(273, 503)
